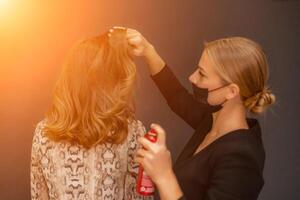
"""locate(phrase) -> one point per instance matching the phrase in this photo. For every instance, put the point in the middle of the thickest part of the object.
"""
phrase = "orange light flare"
(4, 3)
(18, 22)
(6, 8)
(12, 14)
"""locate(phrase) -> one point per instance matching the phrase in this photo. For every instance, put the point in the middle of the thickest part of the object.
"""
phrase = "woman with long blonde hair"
(224, 159)
(84, 147)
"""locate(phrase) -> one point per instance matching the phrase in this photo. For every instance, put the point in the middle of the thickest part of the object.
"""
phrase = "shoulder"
(240, 148)
(40, 143)
(136, 128)
(39, 138)
(39, 129)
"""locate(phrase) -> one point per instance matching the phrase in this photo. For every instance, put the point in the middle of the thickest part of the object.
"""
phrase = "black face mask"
(201, 95)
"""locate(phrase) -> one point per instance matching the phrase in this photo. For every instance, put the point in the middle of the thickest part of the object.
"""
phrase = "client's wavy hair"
(93, 99)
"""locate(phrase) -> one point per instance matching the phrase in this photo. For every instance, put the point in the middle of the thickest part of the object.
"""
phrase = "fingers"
(161, 134)
(144, 162)
(134, 37)
(139, 160)
(161, 138)
(136, 52)
(111, 30)
(119, 27)
(135, 40)
(128, 30)
(132, 34)
(146, 144)
(141, 153)
(132, 31)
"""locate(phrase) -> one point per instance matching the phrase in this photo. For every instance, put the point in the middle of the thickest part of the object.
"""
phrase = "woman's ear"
(234, 90)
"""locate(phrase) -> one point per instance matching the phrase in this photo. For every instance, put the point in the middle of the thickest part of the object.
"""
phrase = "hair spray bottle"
(145, 186)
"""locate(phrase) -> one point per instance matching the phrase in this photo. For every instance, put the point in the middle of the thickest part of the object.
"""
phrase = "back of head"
(242, 61)
(93, 99)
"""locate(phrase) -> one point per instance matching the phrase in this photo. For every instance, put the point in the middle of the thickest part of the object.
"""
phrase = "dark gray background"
(177, 29)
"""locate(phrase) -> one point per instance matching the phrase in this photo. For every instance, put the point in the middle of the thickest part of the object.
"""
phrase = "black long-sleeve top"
(230, 168)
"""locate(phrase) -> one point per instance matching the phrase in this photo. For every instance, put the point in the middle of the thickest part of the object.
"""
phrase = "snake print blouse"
(62, 171)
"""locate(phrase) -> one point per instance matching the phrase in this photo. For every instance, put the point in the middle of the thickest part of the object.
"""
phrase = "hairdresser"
(224, 158)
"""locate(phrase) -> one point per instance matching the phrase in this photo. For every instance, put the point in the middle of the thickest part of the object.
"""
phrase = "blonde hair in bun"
(259, 102)
(243, 62)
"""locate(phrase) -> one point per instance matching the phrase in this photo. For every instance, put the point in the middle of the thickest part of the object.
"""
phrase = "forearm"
(169, 188)
(153, 59)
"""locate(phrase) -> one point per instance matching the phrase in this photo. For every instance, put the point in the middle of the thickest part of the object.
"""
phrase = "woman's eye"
(201, 74)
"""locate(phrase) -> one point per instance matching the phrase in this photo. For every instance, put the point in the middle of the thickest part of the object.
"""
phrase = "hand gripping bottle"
(145, 186)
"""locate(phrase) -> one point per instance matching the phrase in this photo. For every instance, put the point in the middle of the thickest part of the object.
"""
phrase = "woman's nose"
(192, 78)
